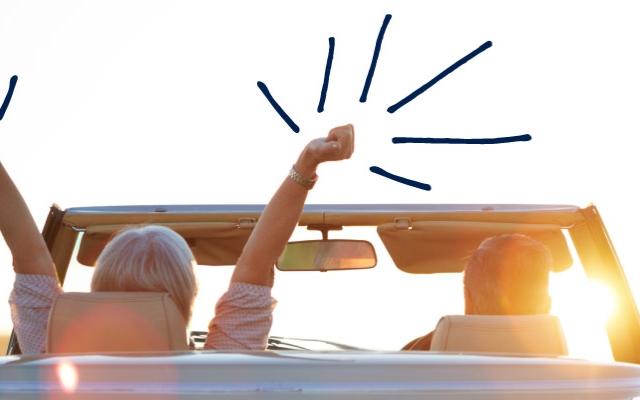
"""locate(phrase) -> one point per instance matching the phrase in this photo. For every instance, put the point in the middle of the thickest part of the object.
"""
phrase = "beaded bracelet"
(297, 177)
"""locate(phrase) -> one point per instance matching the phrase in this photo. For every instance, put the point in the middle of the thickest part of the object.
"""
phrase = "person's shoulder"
(422, 343)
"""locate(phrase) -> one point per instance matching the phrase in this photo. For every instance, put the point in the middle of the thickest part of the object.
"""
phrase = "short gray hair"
(508, 274)
(149, 258)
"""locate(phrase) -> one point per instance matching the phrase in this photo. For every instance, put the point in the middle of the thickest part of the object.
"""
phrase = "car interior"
(416, 249)
(102, 322)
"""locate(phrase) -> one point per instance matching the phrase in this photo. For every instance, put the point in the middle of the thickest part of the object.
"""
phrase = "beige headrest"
(521, 334)
(115, 321)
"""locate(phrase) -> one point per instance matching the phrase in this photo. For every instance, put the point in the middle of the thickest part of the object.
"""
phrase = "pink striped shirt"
(242, 321)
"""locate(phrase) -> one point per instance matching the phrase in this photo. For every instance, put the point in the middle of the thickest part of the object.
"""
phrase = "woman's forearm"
(273, 230)
(29, 251)
(280, 216)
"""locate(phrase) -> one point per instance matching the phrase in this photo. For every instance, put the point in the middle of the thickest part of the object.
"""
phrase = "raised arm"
(30, 253)
(280, 216)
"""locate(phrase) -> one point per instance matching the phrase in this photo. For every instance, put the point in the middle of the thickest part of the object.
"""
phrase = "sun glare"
(602, 301)
(68, 376)
(584, 306)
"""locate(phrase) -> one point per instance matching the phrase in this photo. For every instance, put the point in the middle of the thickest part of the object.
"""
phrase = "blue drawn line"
(327, 72)
(374, 60)
(416, 184)
(441, 75)
(7, 98)
(263, 88)
(498, 140)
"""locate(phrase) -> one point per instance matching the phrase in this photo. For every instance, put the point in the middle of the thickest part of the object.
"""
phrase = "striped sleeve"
(31, 300)
(243, 318)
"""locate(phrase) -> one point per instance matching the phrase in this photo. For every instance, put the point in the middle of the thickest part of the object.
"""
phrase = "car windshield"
(383, 308)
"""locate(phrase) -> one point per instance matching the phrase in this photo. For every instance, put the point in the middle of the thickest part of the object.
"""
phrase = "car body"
(287, 373)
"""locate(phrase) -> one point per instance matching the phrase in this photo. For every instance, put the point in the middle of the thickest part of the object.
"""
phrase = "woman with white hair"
(155, 258)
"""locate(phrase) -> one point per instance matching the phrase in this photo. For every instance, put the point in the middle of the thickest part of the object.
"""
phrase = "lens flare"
(603, 299)
(68, 376)
(584, 306)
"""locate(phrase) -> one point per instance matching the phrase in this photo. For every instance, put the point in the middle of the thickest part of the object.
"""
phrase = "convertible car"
(354, 285)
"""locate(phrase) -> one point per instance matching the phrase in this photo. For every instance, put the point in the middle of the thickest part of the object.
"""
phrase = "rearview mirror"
(327, 255)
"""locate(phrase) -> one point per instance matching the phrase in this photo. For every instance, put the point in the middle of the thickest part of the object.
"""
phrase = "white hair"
(150, 258)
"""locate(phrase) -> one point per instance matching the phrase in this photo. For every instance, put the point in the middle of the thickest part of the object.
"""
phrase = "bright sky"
(153, 102)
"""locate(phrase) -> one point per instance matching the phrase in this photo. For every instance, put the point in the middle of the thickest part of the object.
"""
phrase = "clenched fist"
(338, 145)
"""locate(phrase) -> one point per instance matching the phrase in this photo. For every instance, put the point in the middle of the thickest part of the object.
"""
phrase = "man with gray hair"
(506, 275)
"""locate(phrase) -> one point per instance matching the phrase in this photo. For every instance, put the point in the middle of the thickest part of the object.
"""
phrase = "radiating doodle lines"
(395, 107)
(7, 97)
